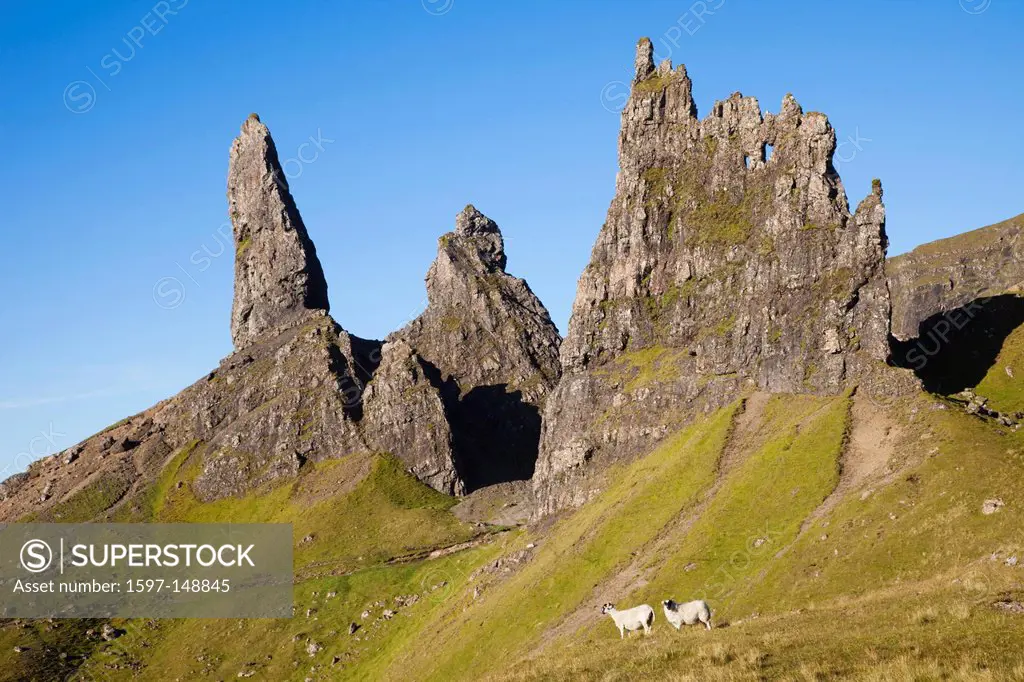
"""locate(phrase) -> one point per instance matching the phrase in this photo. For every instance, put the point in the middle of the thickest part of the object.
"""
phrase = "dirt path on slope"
(868, 450)
(324, 569)
(745, 429)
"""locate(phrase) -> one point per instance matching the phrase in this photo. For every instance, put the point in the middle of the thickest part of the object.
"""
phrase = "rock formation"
(729, 261)
(291, 391)
(729, 258)
(456, 395)
(482, 326)
(486, 347)
(290, 397)
(955, 301)
(405, 414)
(277, 274)
(950, 273)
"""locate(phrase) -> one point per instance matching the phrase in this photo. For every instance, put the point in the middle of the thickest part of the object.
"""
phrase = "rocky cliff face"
(483, 326)
(484, 352)
(277, 274)
(729, 258)
(950, 273)
(292, 389)
(405, 413)
(291, 396)
(456, 395)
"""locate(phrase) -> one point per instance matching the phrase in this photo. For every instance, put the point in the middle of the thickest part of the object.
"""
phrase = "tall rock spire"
(729, 260)
(278, 276)
(644, 63)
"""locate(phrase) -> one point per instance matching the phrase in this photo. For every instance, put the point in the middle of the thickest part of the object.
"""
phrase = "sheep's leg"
(621, 636)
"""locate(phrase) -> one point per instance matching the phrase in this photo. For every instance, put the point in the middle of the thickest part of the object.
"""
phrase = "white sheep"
(690, 613)
(631, 619)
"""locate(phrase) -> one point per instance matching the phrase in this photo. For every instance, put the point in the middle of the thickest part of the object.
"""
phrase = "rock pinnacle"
(278, 276)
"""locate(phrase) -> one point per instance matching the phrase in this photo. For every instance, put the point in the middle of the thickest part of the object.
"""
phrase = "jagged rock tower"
(461, 387)
(483, 326)
(277, 274)
(729, 259)
(291, 391)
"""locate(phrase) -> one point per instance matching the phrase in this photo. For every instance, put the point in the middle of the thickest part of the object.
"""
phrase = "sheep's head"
(669, 604)
(607, 608)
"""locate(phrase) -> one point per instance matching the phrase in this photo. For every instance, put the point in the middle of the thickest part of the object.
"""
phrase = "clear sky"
(117, 118)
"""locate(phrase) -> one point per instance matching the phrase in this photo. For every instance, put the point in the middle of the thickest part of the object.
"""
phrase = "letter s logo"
(36, 556)
(79, 97)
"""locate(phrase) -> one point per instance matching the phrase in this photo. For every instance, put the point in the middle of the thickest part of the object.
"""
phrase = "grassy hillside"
(347, 513)
(279, 649)
(832, 536)
(1004, 383)
(576, 555)
(901, 578)
(363, 532)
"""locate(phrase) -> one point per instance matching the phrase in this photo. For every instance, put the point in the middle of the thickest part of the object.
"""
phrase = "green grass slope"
(760, 506)
(278, 649)
(1003, 385)
(357, 511)
(475, 636)
(364, 531)
(833, 537)
(900, 579)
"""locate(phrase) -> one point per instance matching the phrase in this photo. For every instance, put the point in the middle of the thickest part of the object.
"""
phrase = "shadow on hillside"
(497, 435)
(956, 349)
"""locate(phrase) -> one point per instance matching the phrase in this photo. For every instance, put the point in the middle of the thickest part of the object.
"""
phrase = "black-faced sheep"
(689, 613)
(631, 619)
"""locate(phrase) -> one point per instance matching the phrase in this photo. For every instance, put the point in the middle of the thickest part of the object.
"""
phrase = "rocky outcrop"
(292, 396)
(292, 390)
(948, 274)
(278, 277)
(405, 414)
(456, 395)
(290, 393)
(483, 326)
(729, 259)
(486, 347)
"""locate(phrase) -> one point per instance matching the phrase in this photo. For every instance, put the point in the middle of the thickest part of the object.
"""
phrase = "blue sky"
(117, 119)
